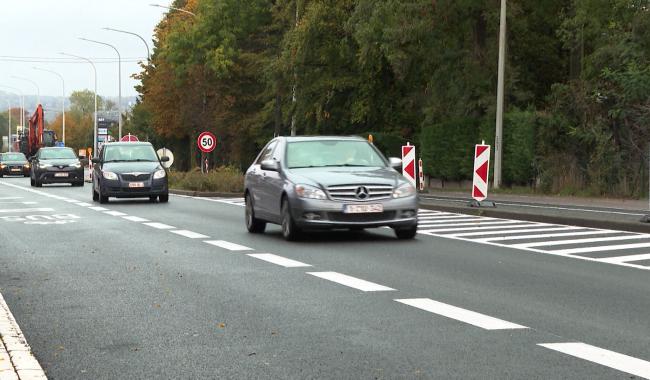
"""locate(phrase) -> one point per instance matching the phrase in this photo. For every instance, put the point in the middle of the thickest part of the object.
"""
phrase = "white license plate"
(136, 184)
(362, 209)
(15, 170)
(60, 174)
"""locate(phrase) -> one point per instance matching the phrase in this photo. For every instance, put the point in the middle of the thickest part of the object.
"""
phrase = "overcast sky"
(37, 30)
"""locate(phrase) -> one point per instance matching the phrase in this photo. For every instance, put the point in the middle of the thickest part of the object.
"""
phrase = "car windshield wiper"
(348, 165)
(115, 161)
(140, 160)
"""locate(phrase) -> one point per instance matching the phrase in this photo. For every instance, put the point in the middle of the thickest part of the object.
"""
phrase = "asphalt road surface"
(140, 290)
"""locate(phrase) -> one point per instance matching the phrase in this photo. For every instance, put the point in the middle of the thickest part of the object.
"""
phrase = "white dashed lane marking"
(278, 260)
(352, 282)
(467, 316)
(83, 204)
(190, 234)
(160, 226)
(228, 245)
(97, 208)
(17, 210)
(135, 219)
(611, 359)
(114, 213)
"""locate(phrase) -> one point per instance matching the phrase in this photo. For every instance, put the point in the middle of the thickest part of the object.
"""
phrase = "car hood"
(332, 176)
(131, 167)
(60, 161)
(21, 162)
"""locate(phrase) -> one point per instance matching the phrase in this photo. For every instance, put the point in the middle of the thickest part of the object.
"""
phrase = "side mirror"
(164, 159)
(271, 165)
(395, 163)
(96, 160)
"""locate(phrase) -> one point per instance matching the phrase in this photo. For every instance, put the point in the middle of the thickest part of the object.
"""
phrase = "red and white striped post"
(408, 162)
(421, 174)
(481, 172)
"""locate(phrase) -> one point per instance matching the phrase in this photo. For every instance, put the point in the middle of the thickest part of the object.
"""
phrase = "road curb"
(193, 193)
(574, 221)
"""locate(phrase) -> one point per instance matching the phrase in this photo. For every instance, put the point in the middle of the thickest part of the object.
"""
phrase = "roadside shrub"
(447, 148)
(222, 179)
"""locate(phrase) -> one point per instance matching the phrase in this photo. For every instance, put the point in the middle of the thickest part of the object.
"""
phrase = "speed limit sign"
(207, 142)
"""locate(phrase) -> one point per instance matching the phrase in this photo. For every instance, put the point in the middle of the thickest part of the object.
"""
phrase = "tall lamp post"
(38, 89)
(498, 139)
(174, 8)
(9, 126)
(119, 81)
(22, 108)
(133, 34)
(95, 118)
(62, 96)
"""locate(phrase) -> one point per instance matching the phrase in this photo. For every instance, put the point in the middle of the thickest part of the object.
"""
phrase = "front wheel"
(163, 198)
(290, 230)
(253, 224)
(95, 195)
(406, 233)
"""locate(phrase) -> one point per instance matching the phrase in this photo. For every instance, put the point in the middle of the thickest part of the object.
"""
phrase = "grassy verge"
(223, 179)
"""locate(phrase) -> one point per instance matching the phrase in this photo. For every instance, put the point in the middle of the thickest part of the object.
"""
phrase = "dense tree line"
(577, 82)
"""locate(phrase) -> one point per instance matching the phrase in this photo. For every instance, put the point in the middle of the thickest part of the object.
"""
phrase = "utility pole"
(294, 100)
(498, 139)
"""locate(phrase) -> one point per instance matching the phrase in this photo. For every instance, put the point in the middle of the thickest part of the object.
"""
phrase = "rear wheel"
(406, 233)
(38, 183)
(163, 198)
(32, 182)
(290, 231)
(253, 224)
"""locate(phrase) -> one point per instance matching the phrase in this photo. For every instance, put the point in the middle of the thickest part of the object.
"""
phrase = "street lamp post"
(134, 34)
(95, 123)
(119, 82)
(498, 139)
(62, 97)
(38, 90)
(22, 106)
(173, 8)
(9, 126)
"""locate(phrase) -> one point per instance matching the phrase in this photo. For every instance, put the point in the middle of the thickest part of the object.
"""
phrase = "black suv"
(13, 164)
(56, 165)
(129, 170)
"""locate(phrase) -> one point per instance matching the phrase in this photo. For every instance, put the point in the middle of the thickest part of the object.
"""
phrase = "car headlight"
(2, 166)
(159, 174)
(43, 166)
(404, 190)
(310, 192)
(109, 175)
(26, 166)
(76, 165)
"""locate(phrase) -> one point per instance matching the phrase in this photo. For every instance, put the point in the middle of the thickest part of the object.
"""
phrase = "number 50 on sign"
(207, 142)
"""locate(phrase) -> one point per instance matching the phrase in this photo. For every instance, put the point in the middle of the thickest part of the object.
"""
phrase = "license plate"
(60, 174)
(136, 184)
(15, 170)
(362, 209)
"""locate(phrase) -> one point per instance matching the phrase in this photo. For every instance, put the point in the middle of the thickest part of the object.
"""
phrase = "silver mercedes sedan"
(311, 183)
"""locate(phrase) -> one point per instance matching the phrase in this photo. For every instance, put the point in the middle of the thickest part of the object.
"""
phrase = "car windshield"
(13, 157)
(323, 153)
(130, 153)
(55, 154)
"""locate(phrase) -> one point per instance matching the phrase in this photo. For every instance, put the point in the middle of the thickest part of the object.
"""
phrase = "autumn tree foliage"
(577, 82)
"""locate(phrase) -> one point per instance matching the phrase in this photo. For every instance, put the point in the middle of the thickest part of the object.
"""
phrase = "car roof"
(128, 143)
(320, 138)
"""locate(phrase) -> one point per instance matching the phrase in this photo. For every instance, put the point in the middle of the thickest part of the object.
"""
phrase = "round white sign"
(162, 152)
